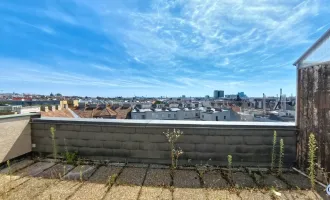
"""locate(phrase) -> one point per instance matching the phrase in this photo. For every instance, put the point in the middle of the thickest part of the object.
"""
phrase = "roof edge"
(310, 49)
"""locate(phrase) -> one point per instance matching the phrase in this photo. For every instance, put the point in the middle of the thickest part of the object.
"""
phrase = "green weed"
(280, 157)
(311, 158)
(52, 131)
(273, 151)
(172, 137)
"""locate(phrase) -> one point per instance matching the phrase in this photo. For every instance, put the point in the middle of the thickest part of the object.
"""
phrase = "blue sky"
(154, 48)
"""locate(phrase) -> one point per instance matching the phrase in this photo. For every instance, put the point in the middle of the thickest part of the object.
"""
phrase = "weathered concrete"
(143, 141)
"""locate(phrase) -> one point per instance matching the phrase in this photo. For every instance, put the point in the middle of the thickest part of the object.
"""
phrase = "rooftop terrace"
(131, 159)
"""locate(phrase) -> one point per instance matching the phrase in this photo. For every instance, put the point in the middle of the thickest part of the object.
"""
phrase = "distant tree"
(58, 94)
(51, 94)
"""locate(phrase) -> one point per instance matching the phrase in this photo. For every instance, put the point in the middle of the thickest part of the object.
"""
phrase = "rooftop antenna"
(264, 103)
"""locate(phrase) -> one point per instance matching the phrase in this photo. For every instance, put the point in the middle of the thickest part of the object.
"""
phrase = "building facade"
(218, 94)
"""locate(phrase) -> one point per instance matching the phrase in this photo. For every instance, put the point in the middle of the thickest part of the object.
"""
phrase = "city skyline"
(156, 48)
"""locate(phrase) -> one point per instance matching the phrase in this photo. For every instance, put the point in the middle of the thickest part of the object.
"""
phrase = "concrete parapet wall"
(143, 141)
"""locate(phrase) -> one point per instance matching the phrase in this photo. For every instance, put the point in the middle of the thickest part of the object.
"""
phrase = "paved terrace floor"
(29, 179)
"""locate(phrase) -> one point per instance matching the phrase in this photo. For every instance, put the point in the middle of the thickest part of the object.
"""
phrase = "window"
(185, 114)
(196, 114)
(143, 116)
(216, 118)
(202, 116)
(169, 115)
(224, 117)
(174, 115)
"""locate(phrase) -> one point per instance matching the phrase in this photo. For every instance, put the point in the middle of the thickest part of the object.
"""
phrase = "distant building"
(231, 96)
(242, 95)
(211, 114)
(218, 94)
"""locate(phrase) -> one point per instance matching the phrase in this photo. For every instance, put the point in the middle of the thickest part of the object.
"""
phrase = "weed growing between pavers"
(172, 137)
(112, 180)
(230, 164)
(280, 158)
(311, 158)
(69, 157)
(52, 131)
(273, 152)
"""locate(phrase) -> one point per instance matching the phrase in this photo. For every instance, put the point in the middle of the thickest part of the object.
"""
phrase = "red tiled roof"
(122, 113)
(57, 113)
(84, 113)
(106, 112)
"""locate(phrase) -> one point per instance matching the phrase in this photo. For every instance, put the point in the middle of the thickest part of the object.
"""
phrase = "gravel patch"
(57, 171)
(296, 180)
(85, 170)
(34, 169)
(60, 190)
(90, 191)
(301, 195)
(17, 166)
(253, 194)
(158, 177)
(103, 173)
(7, 183)
(152, 193)
(186, 179)
(221, 195)
(269, 180)
(131, 176)
(213, 179)
(30, 189)
(121, 192)
(243, 180)
(189, 194)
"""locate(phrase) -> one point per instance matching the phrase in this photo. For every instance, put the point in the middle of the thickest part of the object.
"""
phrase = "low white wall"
(15, 136)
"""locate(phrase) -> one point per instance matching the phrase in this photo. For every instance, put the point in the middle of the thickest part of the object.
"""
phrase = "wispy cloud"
(160, 44)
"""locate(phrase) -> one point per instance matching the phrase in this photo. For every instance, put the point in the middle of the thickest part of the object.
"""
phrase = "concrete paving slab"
(186, 179)
(17, 166)
(189, 194)
(296, 180)
(122, 192)
(82, 171)
(131, 176)
(243, 180)
(90, 191)
(60, 190)
(57, 171)
(158, 177)
(103, 174)
(34, 169)
(30, 189)
(254, 194)
(155, 193)
(269, 180)
(221, 195)
(214, 179)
